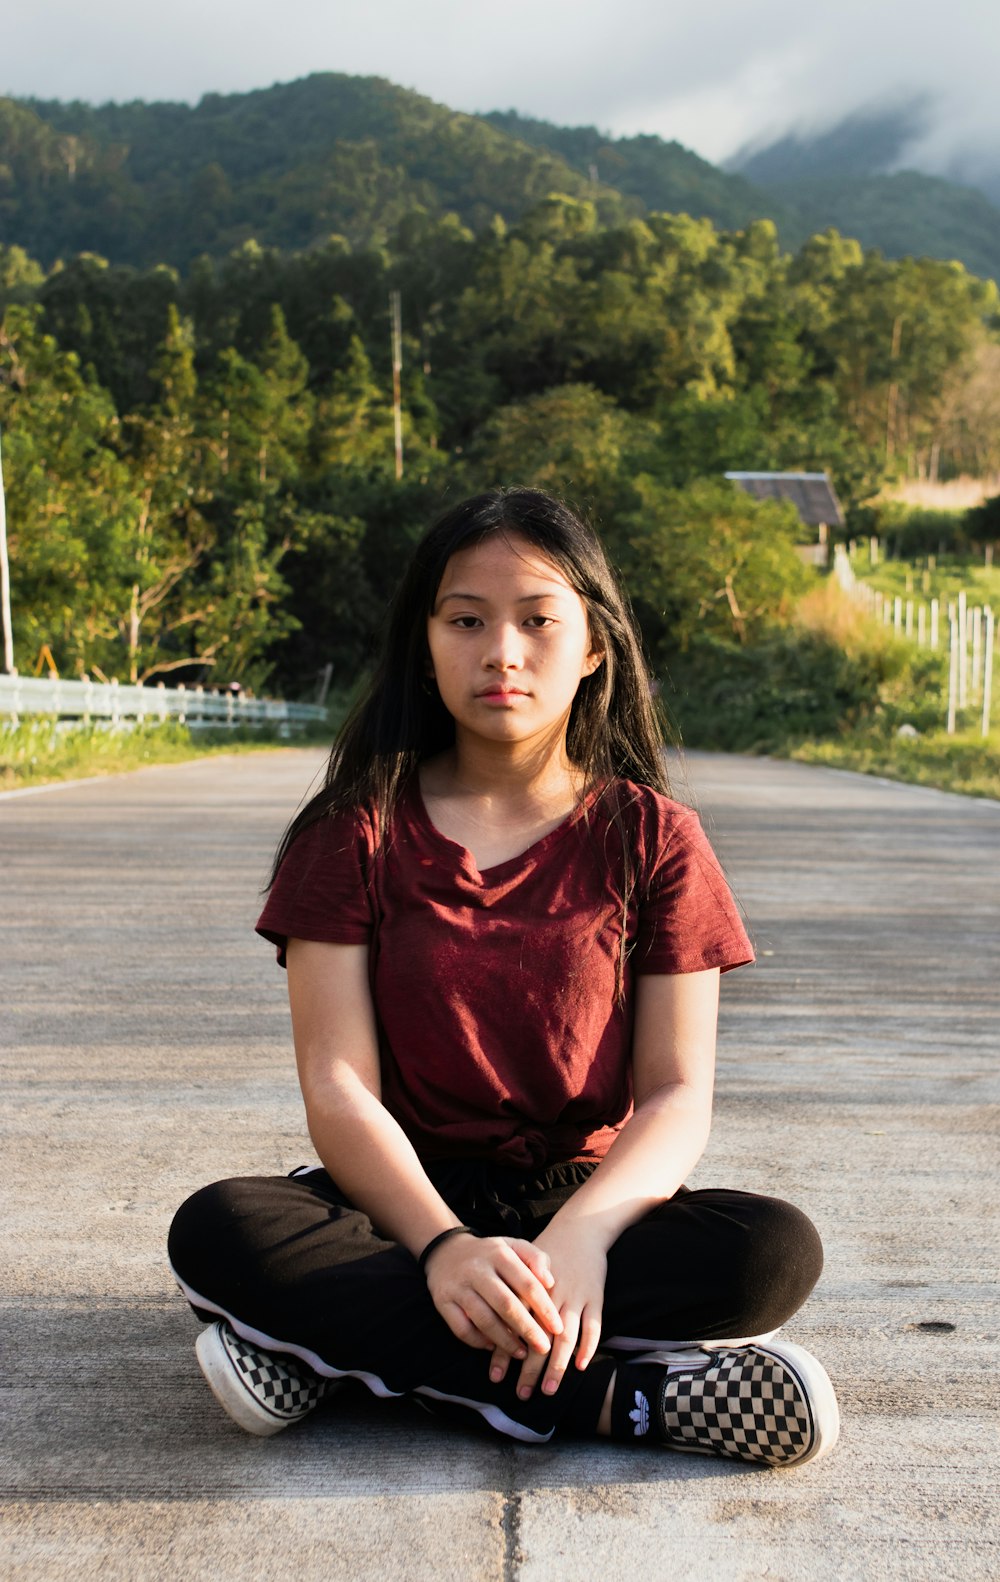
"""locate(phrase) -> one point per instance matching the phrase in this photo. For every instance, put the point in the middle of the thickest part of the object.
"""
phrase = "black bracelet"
(435, 1242)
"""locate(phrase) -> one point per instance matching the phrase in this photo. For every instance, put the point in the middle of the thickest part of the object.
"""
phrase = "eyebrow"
(479, 598)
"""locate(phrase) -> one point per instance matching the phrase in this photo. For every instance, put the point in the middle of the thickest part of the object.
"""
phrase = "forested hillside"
(291, 165)
(287, 166)
(665, 177)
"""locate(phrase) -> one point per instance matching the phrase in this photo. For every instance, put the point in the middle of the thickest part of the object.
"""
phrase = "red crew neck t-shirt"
(500, 1033)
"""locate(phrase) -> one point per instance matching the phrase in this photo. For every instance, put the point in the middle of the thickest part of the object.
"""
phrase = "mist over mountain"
(889, 176)
(917, 133)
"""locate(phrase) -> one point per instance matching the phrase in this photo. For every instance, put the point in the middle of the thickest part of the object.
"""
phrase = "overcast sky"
(711, 73)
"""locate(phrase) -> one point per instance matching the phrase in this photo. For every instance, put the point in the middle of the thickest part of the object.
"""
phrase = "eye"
(538, 621)
(465, 623)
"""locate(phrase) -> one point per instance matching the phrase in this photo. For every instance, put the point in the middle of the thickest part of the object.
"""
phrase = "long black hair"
(614, 726)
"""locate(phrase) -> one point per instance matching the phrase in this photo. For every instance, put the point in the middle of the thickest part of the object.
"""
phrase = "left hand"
(579, 1267)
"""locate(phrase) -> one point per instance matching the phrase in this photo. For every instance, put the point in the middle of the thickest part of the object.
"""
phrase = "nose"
(505, 649)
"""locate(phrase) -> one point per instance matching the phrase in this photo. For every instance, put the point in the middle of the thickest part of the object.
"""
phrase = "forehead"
(503, 557)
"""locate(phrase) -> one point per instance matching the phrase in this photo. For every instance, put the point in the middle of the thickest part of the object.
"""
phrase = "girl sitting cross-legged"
(504, 943)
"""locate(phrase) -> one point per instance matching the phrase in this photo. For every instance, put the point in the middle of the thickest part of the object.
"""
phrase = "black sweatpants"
(296, 1269)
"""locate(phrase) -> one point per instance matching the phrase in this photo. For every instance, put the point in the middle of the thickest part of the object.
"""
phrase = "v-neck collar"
(499, 871)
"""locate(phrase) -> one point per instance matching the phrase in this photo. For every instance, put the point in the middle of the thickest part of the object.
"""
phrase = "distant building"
(812, 495)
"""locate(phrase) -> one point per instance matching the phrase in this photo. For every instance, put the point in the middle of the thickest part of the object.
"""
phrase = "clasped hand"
(538, 1303)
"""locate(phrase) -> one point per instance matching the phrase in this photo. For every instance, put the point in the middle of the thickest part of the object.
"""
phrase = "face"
(509, 642)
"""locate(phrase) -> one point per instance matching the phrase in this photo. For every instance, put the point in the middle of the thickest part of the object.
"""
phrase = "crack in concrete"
(510, 1520)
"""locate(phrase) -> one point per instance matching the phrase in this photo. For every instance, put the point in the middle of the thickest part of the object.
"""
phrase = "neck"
(506, 771)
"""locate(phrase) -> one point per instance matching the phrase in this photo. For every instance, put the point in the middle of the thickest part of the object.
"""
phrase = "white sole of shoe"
(231, 1394)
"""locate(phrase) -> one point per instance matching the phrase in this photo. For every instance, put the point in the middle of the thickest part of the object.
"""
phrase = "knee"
(780, 1260)
(200, 1226)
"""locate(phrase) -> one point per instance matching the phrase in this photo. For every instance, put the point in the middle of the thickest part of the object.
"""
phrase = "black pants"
(296, 1269)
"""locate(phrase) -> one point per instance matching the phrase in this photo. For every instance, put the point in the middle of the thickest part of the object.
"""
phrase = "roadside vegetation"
(35, 752)
(832, 687)
(966, 762)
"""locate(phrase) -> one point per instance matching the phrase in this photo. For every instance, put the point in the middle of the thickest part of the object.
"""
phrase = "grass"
(41, 750)
(966, 762)
(915, 580)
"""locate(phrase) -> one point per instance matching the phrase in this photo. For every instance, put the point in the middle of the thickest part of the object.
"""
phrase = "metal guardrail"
(194, 706)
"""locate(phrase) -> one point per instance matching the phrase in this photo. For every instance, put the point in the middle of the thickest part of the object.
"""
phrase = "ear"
(592, 663)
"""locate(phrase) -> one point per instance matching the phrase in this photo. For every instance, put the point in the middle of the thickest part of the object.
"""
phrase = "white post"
(952, 674)
(935, 619)
(116, 715)
(988, 671)
(8, 631)
(963, 651)
(897, 615)
(182, 703)
(873, 551)
(977, 649)
(161, 688)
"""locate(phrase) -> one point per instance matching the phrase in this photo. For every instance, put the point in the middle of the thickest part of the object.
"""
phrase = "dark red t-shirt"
(500, 1033)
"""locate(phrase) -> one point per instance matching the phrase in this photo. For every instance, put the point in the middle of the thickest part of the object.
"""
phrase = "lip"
(500, 694)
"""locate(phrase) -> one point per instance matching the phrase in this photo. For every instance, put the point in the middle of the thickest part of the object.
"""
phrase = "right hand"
(493, 1293)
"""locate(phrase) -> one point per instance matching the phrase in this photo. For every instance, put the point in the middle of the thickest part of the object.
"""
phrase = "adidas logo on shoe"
(261, 1392)
(640, 1414)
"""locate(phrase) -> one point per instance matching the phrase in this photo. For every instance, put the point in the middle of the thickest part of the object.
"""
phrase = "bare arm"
(490, 1292)
(673, 1073)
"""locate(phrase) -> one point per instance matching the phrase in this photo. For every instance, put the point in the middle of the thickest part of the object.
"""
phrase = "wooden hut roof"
(811, 493)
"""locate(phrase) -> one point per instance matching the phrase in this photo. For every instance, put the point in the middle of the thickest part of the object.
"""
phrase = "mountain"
(872, 142)
(872, 175)
(286, 166)
(878, 141)
(291, 165)
(665, 177)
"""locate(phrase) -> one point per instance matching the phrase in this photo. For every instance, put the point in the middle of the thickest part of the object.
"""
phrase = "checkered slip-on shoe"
(261, 1392)
(769, 1404)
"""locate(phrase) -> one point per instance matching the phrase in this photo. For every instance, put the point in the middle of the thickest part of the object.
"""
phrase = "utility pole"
(8, 633)
(890, 416)
(396, 316)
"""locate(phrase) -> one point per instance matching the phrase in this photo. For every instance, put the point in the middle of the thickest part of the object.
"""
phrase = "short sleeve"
(688, 919)
(322, 890)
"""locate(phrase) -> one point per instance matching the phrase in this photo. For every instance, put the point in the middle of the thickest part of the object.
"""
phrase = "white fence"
(966, 632)
(93, 700)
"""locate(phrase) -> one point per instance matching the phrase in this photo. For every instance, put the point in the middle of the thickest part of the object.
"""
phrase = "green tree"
(709, 559)
(571, 440)
(67, 496)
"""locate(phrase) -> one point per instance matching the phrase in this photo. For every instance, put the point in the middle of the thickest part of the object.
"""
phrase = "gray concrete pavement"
(146, 1050)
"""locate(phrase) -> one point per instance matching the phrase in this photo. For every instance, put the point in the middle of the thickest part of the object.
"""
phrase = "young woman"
(503, 944)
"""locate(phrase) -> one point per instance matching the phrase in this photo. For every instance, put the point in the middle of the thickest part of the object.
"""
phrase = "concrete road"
(146, 1050)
